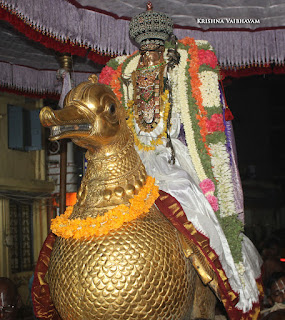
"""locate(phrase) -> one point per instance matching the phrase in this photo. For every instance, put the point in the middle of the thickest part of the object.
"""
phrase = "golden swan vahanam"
(142, 270)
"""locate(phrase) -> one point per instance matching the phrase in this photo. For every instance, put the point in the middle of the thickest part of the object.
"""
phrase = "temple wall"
(22, 173)
(18, 169)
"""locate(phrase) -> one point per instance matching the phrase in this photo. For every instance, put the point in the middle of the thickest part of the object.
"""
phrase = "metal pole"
(65, 63)
(63, 167)
(49, 213)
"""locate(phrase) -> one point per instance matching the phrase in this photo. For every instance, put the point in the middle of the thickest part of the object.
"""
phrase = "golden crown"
(150, 29)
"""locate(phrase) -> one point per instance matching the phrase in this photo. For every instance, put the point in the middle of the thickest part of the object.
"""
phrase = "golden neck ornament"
(113, 176)
(112, 219)
(154, 66)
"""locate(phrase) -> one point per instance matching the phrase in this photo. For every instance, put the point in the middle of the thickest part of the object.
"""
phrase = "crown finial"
(149, 6)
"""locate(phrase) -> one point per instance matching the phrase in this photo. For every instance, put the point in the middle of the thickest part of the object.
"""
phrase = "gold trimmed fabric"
(173, 211)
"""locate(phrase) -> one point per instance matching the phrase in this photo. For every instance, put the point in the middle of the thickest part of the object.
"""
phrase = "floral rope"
(222, 172)
(195, 85)
(182, 81)
(204, 121)
(113, 219)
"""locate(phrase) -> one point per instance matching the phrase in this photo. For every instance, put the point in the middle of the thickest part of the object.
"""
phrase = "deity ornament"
(147, 96)
(142, 268)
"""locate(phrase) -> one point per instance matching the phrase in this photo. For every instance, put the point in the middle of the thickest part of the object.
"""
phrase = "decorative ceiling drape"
(67, 26)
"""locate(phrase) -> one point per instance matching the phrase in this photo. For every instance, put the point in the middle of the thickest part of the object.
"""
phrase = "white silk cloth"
(180, 180)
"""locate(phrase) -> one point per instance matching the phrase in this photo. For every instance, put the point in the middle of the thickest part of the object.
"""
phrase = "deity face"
(278, 291)
(151, 58)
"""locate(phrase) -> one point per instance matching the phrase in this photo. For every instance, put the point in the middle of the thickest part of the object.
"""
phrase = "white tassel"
(66, 85)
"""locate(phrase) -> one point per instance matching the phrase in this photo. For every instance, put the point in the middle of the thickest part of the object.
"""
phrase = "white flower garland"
(241, 271)
(182, 85)
(221, 168)
(203, 42)
(130, 67)
(121, 59)
(209, 88)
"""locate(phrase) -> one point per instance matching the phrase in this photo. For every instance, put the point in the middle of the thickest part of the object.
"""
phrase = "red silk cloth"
(42, 303)
(173, 211)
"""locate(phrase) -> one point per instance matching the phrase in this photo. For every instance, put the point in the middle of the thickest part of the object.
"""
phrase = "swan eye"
(112, 108)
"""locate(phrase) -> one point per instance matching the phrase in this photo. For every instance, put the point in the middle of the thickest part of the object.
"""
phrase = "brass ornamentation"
(139, 271)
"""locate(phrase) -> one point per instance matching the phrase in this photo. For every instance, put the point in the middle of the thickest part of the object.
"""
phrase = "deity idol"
(176, 111)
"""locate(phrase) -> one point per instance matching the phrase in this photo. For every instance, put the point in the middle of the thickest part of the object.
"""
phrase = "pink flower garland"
(215, 123)
(213, 201)
(106, 74)
(208, 187)
(207, 57)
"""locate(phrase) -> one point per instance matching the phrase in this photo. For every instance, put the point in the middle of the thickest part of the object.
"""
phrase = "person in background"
(271, 258)
(275, 287)
(10, 300)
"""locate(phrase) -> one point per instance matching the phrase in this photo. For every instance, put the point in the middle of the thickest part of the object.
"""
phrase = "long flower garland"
(205, 113)
(195, 85)
(195, 91)
(180, 82)
(192, 109)
(113, 219)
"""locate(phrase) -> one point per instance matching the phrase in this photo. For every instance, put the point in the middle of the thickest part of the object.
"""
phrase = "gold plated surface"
(93, 118)
(136, 272)
(139, 271)
(65, 61)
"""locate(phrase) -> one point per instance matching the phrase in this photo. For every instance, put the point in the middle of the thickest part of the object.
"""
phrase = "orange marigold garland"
(116, 83)
(195, 84)
(87, 228)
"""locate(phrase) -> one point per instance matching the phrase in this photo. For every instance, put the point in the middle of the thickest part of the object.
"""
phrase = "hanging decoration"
(74, 33)
(33, 82)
